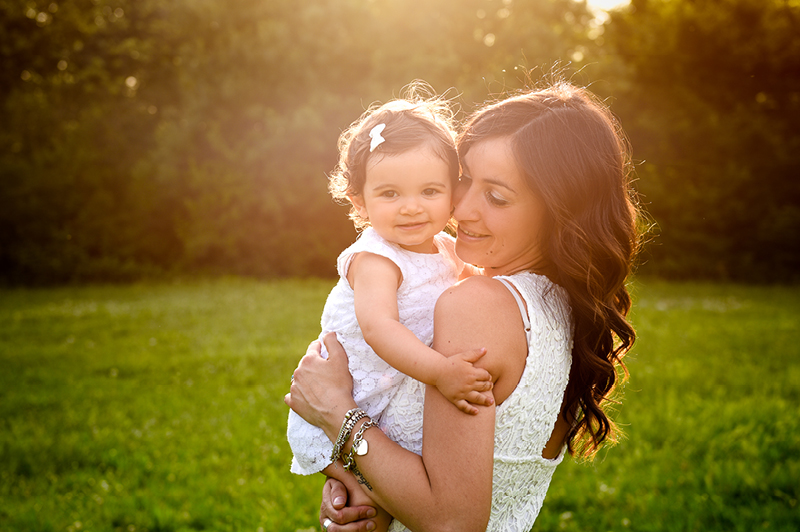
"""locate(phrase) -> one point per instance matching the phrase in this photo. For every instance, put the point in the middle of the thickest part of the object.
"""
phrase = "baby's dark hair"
(414, 121)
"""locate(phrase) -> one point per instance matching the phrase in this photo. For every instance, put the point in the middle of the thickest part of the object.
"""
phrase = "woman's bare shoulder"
(476, 292)
(481, 312)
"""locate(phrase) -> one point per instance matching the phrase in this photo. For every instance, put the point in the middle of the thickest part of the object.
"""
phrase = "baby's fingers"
(465, 407)
(484, 386)
(479, 384)
(473, 355)
(482, 375)
(478, 398)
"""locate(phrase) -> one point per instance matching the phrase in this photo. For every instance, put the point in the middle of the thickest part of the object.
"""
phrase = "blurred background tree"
(144, 138)
(711, 100)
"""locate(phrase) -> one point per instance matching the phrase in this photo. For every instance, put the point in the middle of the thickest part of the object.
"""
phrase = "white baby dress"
(377, 385)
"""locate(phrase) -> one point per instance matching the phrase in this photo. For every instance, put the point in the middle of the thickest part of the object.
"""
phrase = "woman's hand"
(322, 389)
(344, 518)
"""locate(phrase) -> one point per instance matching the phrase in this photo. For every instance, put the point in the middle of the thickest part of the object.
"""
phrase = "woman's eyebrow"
(466, 173)
(499, 183)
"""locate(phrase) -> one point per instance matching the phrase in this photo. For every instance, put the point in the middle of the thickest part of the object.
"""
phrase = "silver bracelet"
(360, 447)
(350, 419)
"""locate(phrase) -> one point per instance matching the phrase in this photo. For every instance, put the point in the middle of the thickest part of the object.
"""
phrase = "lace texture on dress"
(377, 385)
(526, 418)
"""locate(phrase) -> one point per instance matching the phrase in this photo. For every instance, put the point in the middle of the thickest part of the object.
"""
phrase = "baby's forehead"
(425, 151)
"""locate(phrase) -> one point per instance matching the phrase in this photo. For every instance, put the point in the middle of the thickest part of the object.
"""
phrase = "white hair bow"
(375, 135)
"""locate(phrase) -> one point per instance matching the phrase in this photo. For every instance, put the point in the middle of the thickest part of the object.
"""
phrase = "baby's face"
(407, 198)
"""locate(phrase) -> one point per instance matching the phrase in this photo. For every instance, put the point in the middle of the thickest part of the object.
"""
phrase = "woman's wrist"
(350, 419)
(335, 418)
(350, 442)
(358, 447)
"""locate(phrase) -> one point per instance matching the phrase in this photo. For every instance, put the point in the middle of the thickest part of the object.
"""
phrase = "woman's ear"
(358, 202)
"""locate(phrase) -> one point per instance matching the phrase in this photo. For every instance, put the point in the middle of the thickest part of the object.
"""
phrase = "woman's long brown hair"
(576, 159)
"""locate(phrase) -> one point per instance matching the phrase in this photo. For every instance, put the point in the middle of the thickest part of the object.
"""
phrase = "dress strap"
(522, 310)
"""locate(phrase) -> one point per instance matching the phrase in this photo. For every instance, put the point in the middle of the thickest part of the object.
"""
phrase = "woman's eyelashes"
(496, 199)
(492, 196)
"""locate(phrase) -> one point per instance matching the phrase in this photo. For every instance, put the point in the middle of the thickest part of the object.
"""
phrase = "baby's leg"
(357, 496)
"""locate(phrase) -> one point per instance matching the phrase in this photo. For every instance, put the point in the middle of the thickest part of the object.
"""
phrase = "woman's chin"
(468, 254)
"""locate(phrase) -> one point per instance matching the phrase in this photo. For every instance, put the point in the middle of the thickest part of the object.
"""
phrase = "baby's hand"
(462, 383)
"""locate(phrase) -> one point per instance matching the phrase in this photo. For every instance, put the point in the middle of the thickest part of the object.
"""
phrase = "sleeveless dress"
(526, 419)
(376, 384)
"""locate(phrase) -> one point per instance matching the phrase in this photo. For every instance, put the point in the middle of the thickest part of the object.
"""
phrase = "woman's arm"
(450, 486)
(458, 450)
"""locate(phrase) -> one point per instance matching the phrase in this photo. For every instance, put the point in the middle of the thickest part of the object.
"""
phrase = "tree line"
(142, 138)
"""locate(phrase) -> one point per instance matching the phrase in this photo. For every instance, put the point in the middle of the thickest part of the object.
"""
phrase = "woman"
(544, 207)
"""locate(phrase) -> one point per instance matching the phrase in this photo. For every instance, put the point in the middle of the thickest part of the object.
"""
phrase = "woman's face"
(499, 219)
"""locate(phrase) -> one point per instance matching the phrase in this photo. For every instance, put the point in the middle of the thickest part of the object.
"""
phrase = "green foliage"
(143, 138)
(148, 137)
(159, 407)
(711, 104)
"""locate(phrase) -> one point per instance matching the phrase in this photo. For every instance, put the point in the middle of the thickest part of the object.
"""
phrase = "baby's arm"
(375, 280)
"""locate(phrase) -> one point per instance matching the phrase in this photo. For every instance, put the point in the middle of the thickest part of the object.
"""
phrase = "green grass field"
(158, 407)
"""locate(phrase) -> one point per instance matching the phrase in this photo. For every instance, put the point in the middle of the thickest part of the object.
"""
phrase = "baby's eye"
(430, 191)
(388, 194)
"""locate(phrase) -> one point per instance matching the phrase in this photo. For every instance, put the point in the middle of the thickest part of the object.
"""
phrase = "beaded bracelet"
(360, 448)
(350, 419)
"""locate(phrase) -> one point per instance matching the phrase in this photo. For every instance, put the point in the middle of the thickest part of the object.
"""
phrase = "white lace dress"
(527, 417)
(390, 397)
